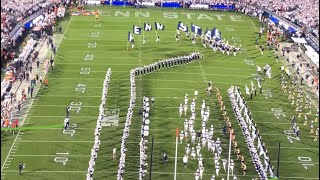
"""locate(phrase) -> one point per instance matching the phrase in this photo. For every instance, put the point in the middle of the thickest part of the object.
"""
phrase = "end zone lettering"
(173, 15)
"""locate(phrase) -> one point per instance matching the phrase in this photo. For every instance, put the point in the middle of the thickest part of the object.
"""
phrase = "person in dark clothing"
(224, 129)
(140, 112)
(21, 166)
(164, 158)
(67, 111)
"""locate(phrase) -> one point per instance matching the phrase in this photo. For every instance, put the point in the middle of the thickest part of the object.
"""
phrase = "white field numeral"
(307, 161)
(62, 160)
(85, 71)
(291, 138)
(80, 88)
(75, 106)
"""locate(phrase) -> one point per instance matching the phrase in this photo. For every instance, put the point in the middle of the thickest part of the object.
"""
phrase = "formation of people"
(199, 141)
(167, 63)
(96, 145)
(228, 124)
(250, 132)
(163, 64)
(126, 129)
(221, 45)
(303, 105)
(145, 113)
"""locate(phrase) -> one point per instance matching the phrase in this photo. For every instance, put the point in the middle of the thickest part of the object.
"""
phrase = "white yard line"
(126, 65)
(169, 80)
(163, 107)
(32, 100)
(153, 172)
(162, 72)
(158, 107)
(175, 72)
(85, 156)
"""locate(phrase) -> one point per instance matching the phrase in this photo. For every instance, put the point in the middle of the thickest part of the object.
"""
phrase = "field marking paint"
(164, 107)
(108, 172)
(249, 62)
(306, 160)
(265, 122)
(32, 100)
(121, 57)
(85, 70)
(97, 25)
(95, 34)
(81, 88)
(159, 72)
(86, 156)
(92, 45)
(166, 80)
(277, 112)
(88, 57)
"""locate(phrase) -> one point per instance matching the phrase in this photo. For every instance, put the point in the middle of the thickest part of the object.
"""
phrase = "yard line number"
(306, 161)
(85, 71)
(61, 159)
(81, 88)
(75, 106)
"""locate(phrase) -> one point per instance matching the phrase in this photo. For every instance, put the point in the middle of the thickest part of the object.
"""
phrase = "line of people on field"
(144, 134)
(96, 145)
(238, 105)
(126, 130)
(167, 63)
(240, 157)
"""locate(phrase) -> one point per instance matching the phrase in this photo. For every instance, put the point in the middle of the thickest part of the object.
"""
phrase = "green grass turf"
(37, 148)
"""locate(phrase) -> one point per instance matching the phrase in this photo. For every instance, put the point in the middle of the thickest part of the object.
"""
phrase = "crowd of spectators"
(13, 12)
(302, 13)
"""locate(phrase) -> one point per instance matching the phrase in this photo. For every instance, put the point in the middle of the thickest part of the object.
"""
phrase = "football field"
(88, 48)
